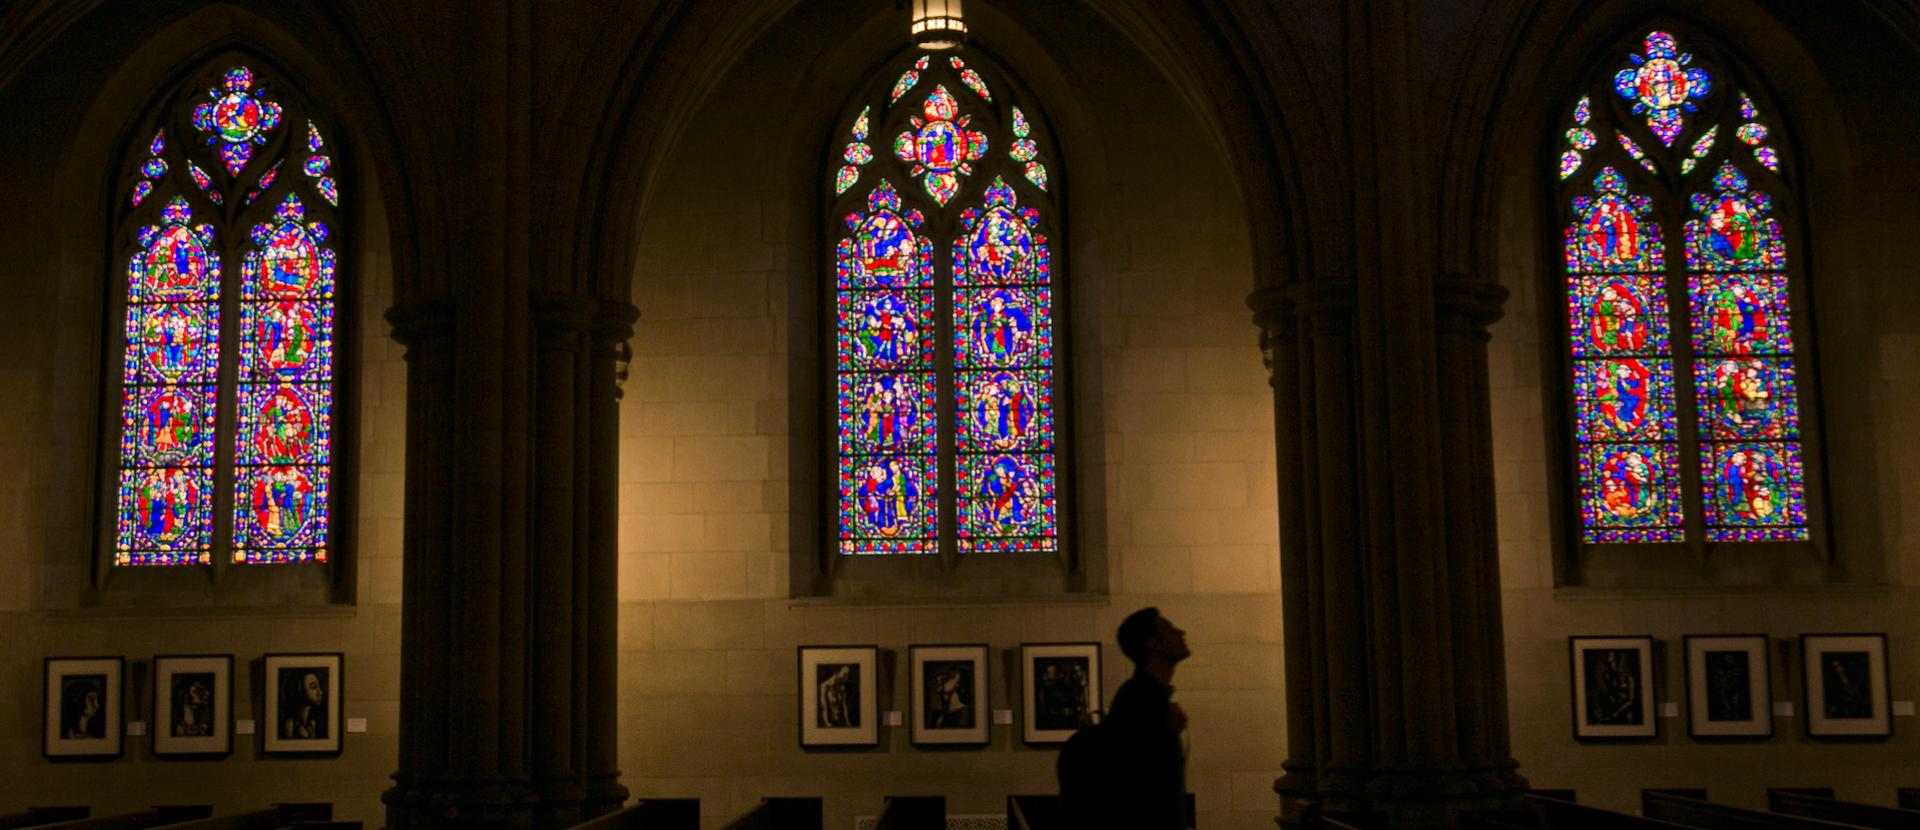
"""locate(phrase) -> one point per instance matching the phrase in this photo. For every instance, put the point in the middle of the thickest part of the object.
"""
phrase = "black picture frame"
(192, 713)
(82, 708)
(839, 696)
(1613, 685)
(1059, 690)
(948, 695)
(1729, 686)
(1845, 681)
(295, 723)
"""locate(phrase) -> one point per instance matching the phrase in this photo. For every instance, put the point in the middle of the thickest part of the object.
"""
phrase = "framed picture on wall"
(1846, 683)
(1729, 686)
(948, 704)
(839, 696)
(1613, 694)
(192, 705)
(1059, 690)
(82, 707)
(303, 703)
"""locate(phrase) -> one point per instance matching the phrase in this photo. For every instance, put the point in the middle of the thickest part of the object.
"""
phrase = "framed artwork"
(1846, 683)
(1613, 688)
(193, 705)
(1729, 686)
(949, 695)
(839, 696)
(303, 703)
(82, 707)
(1059, 690)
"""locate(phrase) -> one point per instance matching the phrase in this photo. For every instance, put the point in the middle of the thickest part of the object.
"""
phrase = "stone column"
(509, 629)
(1395, 683)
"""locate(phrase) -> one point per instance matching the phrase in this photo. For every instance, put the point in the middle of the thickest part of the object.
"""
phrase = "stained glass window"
(255, 482)
(945, 372)
(1685, 404)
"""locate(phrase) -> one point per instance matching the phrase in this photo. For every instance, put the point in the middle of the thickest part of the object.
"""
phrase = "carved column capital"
(1275, 314)
(1326, 305)
(1469, 304)
(423, 325)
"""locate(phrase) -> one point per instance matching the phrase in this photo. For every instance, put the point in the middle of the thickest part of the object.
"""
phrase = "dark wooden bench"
(35, 816)
(1555, 814)
(782, 814)
(1706, 815)
(649, 814)
(1818, 802)
(142, 820)
(272, 818)
(913, 812)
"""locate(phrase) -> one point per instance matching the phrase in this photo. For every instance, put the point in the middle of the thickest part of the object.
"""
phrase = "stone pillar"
(509, 630)
(1390, 582)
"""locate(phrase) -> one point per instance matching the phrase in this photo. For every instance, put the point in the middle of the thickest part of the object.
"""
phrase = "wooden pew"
(649, 814)
(142, 820)
(1819, 803)
(782, 814)
(35, 816)
(913, 812)
(1695, 812)
(1554, 814)
(272, 818)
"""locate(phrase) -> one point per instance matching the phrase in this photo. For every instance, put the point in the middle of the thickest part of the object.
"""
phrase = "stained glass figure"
(1661, 86)
(284, 442)
(1630, 493)
(1734, 231)
(1740, 314)
(970, 78)
(1754, 492)
(1613, 234)
(169, 404)
(941, 147)
(889, 486)
(1617, 314)
(238, 118)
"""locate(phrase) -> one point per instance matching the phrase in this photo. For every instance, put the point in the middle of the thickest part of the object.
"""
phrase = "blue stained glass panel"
(1006, 502)
(167, 426)
(1624, 399)
(1612, 231)
(1005, 410)
(1753, 491)
(1732, 231)
(887, 413)
(888, 504)
(1630, 493)
(1747, 398)
(885, 330)
(1739, 314)
(286, 339)
(1618, 314)
(1004, 327)
(282, 514)
(166, 516)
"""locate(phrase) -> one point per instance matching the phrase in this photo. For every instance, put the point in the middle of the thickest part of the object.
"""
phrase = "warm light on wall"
(938, 24)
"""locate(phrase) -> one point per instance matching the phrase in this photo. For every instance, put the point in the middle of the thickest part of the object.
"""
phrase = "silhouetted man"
(1129, 771)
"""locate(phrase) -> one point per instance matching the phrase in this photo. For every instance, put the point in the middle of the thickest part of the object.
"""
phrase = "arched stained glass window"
(226, 373)
(946, 311)
(1687, 416)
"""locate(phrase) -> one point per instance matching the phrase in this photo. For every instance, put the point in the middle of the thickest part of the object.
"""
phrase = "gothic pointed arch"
(1686, 296)
(220, 381)
(948, 306)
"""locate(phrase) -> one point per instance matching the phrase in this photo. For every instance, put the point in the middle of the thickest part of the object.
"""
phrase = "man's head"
(1145, 635)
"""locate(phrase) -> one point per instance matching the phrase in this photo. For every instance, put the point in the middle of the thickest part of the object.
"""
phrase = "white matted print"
(1729, 686)
(1059, 690)
(1846, 683)
(303, 697)
(839, 695)
(81, 715)
(949, 691)
(193, 705)
(1613, 687)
